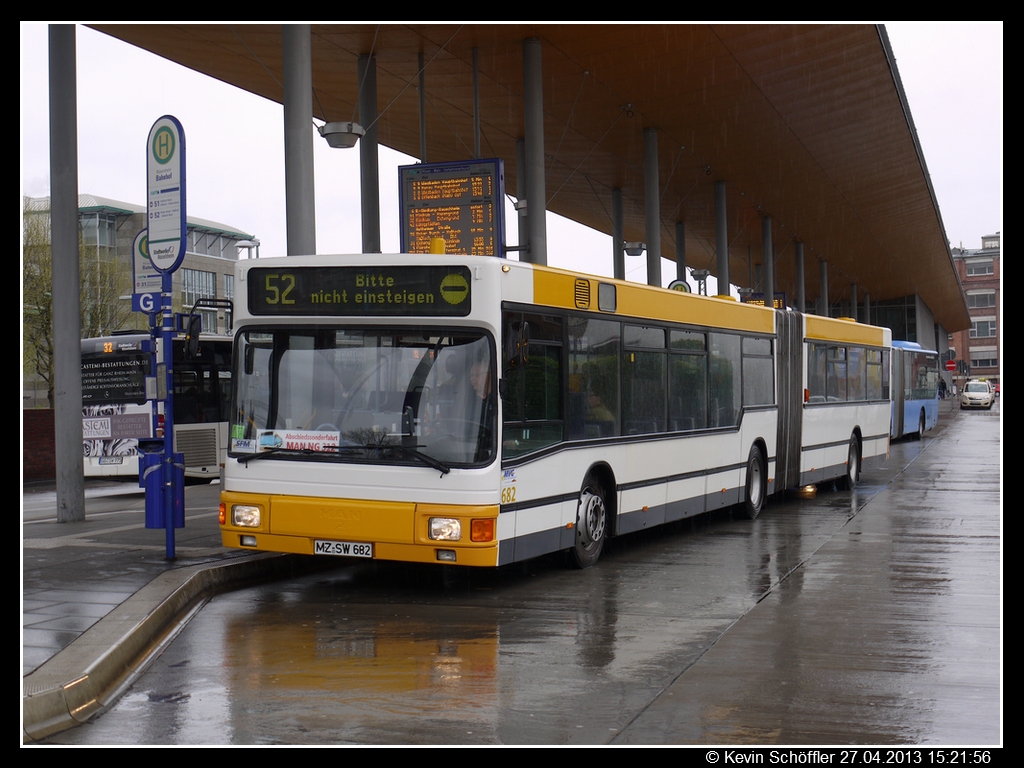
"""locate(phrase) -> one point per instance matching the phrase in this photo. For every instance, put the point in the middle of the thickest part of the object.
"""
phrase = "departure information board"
(460, 202)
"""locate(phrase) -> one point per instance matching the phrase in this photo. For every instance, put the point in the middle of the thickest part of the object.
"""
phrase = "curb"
(91, 673)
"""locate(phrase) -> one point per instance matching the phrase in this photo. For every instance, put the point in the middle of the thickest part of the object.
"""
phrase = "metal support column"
(67, 349)
(652, 201)
(300, 199)
(533, 113)
(369, 186)
(522, 210)
(680, 250)
(823, 288)
(476, 102)
(721, 239)
(801, 293)
(423, 109)
(853, 301)
(618, 237)
(769, 261)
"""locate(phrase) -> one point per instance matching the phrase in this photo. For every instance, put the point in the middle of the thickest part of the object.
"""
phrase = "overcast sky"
(952, 73)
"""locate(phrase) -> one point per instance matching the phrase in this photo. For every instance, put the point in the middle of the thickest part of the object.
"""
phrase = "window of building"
(977, 267)
(195, 285)
(981, 329)
(981, 299)
(98, 228)
(229, 293)
(984, 359)
(208, 243)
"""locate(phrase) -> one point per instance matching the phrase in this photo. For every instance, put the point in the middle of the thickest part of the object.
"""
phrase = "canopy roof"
(805, 123)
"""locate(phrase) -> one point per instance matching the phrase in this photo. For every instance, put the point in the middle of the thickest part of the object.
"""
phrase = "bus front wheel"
(591, 523)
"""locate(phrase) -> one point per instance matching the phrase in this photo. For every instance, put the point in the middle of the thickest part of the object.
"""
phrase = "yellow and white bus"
(480, 411)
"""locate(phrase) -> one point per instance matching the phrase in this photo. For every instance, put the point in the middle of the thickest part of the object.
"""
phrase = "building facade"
(108, 229)
(978, 350)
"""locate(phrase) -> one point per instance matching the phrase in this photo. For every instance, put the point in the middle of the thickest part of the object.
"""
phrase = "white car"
(977, 394)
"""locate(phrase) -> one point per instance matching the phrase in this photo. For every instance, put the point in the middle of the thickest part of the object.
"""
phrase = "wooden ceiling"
(804, 123)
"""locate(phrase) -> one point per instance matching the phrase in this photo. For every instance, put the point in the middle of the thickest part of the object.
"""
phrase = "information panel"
(759, 300)
(117, 377)
(401, 291)
(460, 202)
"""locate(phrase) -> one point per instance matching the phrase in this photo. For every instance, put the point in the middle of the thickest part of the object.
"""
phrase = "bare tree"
(37, 301)
(106, 281)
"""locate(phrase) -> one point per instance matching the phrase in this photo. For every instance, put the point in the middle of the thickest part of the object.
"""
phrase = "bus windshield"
(380, 395)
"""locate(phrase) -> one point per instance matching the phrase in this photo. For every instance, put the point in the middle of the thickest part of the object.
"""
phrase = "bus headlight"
(444, 529)
(246, 515)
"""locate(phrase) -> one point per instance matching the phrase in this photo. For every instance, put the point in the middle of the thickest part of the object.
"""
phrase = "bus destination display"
(460, 202)
(360, 291)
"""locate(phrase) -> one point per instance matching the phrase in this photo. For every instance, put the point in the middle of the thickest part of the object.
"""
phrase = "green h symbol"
(163, 145)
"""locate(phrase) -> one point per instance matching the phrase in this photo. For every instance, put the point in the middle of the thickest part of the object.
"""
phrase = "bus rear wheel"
(591, 523)
(849, 481)
(756, 483)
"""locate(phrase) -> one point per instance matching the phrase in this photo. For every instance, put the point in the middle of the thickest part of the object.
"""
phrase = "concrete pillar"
(300, 200)
(67, 332)
(533, 113)
(369, 175)
(652, 206)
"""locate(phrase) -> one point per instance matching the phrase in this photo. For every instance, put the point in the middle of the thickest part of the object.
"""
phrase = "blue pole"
(168, 475)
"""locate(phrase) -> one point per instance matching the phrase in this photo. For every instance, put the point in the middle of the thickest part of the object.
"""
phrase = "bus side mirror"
(195, 324)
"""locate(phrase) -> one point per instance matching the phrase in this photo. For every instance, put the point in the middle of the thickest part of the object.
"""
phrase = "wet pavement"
(871, 617)
(889, 633)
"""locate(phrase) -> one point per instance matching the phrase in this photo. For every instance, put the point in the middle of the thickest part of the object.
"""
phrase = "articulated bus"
(481, 411)
(116, 414)
(915, 389)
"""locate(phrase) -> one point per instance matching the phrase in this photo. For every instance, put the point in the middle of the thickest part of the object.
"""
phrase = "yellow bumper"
(396, 530)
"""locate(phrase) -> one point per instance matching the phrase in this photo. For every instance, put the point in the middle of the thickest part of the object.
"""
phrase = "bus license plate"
(104, 460)
(342, 548)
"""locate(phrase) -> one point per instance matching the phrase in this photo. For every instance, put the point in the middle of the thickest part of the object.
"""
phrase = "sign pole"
(169, 476)
(166, 230)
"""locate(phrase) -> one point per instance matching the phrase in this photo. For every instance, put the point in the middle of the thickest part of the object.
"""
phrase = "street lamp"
(341, 135)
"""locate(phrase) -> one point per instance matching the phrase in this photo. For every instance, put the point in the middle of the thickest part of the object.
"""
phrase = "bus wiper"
(267, 453)
(413, 453)
(430, 461)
